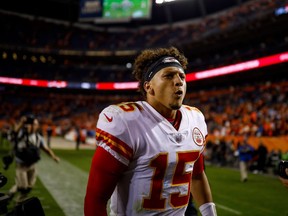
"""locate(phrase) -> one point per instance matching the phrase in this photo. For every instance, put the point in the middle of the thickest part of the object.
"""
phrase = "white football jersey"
(160, 159)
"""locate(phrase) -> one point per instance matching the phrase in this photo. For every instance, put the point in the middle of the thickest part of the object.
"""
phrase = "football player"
(150, 153)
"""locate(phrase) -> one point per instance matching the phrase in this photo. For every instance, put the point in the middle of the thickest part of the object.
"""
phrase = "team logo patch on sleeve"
(197, 136)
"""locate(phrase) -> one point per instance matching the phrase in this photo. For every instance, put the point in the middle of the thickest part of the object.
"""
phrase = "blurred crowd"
(254, 110)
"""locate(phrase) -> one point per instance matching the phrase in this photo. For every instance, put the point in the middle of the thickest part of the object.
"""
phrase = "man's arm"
(51, 153)
(20, 124)
(202, 194)
(104, 174)
(200, 189)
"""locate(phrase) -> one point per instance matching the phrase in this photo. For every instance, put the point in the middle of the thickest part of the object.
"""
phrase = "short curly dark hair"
(148, 57)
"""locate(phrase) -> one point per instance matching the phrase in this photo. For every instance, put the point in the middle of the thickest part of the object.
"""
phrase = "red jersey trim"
(114, 143)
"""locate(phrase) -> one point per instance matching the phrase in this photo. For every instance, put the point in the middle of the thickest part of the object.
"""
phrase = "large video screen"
(114, 10)
(126, 9)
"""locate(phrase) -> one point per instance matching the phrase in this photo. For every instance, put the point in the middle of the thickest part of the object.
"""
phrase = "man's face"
(167, 88)
(31, 128)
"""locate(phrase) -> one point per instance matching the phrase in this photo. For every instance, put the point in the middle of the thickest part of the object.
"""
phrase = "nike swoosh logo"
(109, 119)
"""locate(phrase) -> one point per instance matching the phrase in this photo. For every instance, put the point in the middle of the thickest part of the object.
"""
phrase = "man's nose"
(178, 80)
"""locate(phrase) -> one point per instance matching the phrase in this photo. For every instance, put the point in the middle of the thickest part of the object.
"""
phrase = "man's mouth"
(179, 93)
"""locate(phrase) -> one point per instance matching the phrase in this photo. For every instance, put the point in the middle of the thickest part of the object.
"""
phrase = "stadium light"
(163, 1)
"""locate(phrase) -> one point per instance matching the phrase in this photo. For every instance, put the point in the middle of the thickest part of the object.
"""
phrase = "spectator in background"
(283, 172)
(283, 180)
(262, 157)
(246, 152)
(273, 160)
(78, 137)
(49, 132)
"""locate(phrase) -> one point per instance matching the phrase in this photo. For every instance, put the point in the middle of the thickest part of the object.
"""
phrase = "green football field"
(260, 195)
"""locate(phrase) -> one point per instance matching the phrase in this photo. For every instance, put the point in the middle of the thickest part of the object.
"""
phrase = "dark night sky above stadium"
(68, 10)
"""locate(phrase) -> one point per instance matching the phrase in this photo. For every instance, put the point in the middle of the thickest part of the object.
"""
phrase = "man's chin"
(176, 106)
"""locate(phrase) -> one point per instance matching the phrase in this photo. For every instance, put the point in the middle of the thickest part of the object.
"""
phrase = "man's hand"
(23, 119)
(56, 159)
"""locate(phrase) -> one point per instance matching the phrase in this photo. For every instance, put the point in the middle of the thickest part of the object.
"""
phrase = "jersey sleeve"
(199, 164)
(202, 122)
(101, 182)
(204, 130)
(112, 134)
(201, 125)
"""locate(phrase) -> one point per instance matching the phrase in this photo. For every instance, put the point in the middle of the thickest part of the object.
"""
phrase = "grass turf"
(260, 195)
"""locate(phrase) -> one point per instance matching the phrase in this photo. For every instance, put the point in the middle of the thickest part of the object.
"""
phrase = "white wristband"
(208, 209)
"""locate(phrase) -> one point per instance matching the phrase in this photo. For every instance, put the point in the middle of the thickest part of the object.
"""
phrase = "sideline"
(228, 209)
(61, 143)
(66, 183)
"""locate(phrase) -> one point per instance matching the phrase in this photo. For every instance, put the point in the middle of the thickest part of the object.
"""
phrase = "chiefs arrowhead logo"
(109, 119)
(198, 137)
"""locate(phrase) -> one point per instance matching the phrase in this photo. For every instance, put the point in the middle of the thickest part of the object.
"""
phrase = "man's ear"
(148, 88)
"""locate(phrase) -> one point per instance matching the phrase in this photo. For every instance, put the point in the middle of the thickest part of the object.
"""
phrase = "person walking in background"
(27, 144)
(246, 152)
(262, 153)
(149, 151)
(283, 172)
(284, 180)
(274, 156)
(78, 137)
(49, 132)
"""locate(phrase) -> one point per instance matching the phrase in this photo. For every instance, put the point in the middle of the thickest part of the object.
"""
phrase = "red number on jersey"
(180, 177)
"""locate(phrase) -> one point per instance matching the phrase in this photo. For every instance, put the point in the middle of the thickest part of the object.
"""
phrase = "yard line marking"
(229, 209)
